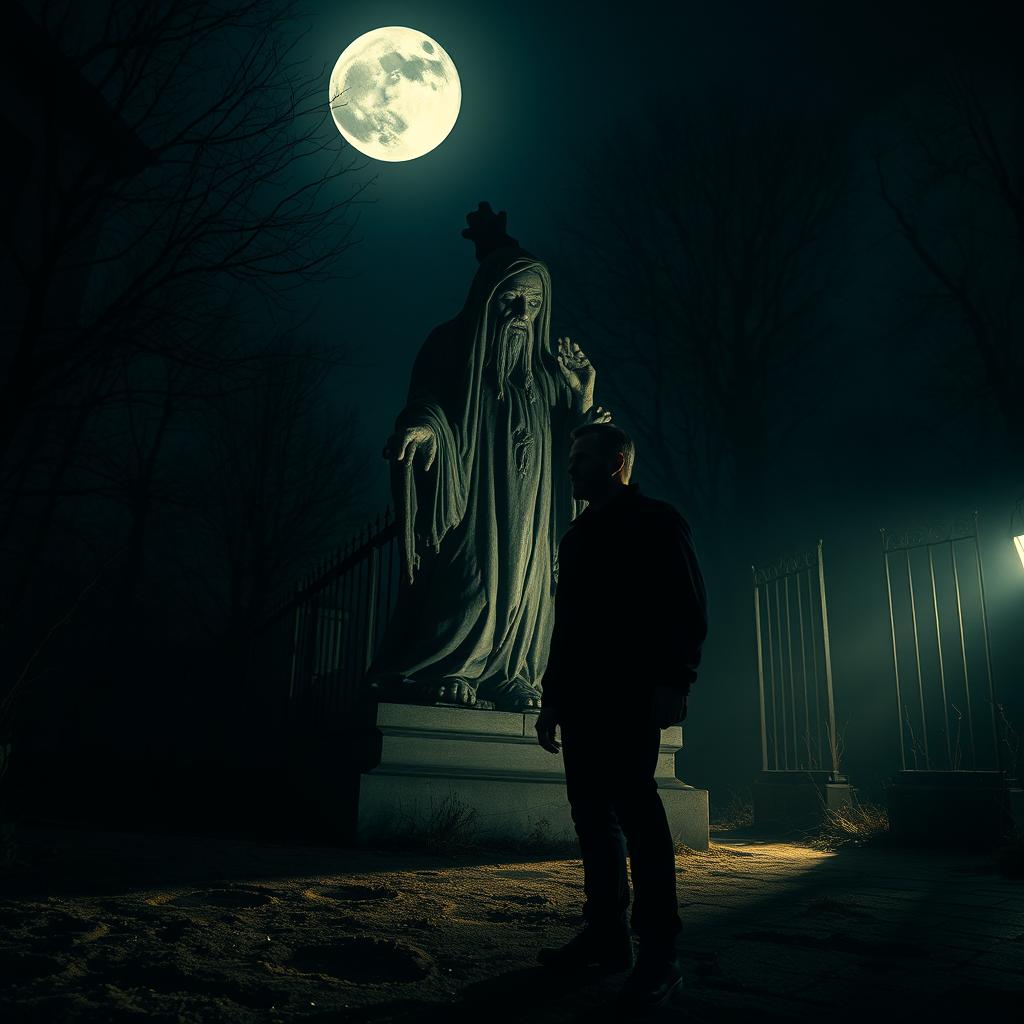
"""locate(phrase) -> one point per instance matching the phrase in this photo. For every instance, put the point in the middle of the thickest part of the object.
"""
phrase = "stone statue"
(479, 474)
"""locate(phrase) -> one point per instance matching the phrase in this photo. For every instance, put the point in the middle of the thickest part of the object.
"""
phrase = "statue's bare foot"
(454, 691)
(517, 696)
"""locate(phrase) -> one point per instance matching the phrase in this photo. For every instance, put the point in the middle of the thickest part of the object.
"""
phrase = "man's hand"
(405, 445)
(545, 726)
(669, 706)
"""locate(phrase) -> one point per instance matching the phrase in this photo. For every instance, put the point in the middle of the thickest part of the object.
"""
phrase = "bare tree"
(277, 483)
(954, 185)
(177, 162)
(174, 164)
(707, 272)
(180, 154)
(123, 460)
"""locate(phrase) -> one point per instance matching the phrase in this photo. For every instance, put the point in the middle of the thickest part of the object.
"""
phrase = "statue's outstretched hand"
(578, 371)
(404, 445)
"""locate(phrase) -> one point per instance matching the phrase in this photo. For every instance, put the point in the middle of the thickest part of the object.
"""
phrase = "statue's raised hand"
(404, 445)
(578, 372)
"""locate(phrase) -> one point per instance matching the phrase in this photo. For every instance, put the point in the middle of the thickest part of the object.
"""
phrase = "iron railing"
(325, 634)
(939, 569)
(794, 666)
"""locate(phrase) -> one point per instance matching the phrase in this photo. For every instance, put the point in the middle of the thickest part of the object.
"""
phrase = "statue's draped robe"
(489, 513)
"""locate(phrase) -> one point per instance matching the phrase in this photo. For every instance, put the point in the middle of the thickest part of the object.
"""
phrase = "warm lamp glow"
(1018, 543)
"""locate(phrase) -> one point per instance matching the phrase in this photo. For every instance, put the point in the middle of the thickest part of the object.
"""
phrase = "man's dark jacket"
(630, 608)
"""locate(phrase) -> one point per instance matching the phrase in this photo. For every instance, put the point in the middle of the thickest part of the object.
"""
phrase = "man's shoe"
(651, 983)
(610, 950)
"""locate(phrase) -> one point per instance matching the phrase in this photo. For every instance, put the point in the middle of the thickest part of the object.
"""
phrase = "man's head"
(600, 459)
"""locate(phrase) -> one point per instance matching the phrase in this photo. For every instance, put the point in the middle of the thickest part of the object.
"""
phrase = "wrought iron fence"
(794, 666)
(942, 652)
(323, 637)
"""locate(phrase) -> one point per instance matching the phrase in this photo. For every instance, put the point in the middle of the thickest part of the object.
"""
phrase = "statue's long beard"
(515, 345)
(515, 338)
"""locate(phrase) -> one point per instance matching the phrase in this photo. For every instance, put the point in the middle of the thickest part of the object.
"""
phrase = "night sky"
(544, 87)
(885, 436)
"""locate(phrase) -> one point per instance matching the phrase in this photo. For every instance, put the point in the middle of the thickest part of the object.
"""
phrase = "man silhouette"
(630, 619)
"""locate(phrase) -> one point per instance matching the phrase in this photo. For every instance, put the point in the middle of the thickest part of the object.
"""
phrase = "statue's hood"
(475, 326)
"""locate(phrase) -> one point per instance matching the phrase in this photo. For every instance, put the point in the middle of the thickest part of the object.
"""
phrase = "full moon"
(395, 94)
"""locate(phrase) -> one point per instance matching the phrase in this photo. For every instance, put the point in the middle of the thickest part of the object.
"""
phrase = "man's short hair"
(613, 440)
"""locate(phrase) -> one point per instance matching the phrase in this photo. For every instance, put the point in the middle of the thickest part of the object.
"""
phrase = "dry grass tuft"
(851, 825)
(450, 826)
(682, 850)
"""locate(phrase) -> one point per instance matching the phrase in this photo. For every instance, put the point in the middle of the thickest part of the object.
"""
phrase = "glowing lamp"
(1018, 543)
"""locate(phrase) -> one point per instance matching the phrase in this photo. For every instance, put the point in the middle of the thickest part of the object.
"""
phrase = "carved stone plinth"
(483, 772)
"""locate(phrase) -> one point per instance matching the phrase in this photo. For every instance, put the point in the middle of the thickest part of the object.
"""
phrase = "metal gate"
(942, 662)
(794, 666)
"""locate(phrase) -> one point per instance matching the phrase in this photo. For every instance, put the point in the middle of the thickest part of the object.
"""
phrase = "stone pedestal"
(959, 809)
(482, 774)
(785, 800)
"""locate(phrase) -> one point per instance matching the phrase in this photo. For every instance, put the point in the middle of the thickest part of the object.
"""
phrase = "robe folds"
(486, 519)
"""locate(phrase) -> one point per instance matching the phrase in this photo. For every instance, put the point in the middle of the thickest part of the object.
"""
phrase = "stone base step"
(480, 775)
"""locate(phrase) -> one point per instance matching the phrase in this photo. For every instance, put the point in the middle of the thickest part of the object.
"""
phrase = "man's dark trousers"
(610, 761)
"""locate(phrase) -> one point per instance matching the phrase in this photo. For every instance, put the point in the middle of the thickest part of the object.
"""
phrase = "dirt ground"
(126, 927)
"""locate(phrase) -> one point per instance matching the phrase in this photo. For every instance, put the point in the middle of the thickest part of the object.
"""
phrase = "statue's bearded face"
(514, 308)
(518, 300)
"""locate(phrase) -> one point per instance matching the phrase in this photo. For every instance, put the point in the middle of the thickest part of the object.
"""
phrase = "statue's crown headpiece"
(487, 230)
